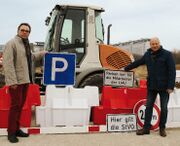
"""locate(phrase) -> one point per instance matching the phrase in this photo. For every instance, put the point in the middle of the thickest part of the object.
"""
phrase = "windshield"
(72, 36)
(99, 27)
(49, 42)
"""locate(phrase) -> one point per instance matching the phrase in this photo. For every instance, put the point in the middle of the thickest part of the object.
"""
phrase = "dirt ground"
(99, 139)
(141, 71)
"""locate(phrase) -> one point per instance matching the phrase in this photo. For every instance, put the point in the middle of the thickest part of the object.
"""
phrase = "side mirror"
(47, 21)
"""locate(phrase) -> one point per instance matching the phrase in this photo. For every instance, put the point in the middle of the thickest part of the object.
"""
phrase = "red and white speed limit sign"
(139, 110)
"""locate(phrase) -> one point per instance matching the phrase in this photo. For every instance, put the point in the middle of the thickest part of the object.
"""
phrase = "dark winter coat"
(161, 69)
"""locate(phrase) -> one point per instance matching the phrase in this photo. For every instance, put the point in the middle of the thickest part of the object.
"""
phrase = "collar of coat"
(156, 52)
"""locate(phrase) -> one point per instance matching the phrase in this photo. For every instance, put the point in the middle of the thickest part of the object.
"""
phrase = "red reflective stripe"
(94, 129)
(34, 131)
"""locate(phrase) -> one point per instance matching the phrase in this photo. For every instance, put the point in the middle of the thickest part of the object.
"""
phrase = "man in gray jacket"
(17, 63)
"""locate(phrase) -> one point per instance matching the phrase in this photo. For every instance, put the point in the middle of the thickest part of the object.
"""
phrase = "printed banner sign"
(121, 122)
(118, 78)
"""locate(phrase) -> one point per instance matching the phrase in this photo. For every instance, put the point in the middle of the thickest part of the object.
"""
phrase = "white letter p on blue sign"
(54, 69)
(59, 69)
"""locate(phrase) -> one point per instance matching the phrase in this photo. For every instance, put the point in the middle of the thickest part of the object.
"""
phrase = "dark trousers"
(18, 98)
(164, 98)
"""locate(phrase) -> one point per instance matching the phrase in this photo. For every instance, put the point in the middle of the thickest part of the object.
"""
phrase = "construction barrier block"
(143, 83)
(33, 98)
(64, 111)
(33, 95)
(4, 98)
(113, 97)
(25, 120)
(91, 93)
(99, 114)
(74, 113)
(93, 128)
(67, 105)
(174, 99)
(48, 117)
(34, 131)
(174, 106)
(173, 114)
(44, 116)
(176, 115)
(170, 115)
(124, 98)
(134, 95)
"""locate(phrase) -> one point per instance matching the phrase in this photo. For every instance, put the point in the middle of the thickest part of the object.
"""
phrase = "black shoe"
(162, 132)
(142, 131)
(20, 133)
(12, 138)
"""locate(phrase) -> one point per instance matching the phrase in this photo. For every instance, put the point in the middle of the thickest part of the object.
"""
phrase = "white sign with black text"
(118, 78)
(121, 122)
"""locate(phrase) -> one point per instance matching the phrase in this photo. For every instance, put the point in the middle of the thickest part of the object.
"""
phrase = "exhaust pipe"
(108, 34)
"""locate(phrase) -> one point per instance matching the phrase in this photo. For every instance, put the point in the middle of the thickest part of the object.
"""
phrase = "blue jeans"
(164, 98)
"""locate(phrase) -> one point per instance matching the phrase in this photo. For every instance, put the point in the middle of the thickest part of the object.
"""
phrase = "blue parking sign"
(59, 69)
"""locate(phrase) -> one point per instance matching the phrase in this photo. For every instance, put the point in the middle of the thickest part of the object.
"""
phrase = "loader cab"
(75, 29)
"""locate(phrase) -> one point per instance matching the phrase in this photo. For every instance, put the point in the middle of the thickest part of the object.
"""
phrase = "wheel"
(93, 80)
(38, 80)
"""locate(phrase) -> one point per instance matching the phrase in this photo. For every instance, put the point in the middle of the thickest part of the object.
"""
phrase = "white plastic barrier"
(177, 75)
(174, 99)
(55, 92)
(44, 116)
(67, 106)
(91, 93)
(74, 113)
(174, 106)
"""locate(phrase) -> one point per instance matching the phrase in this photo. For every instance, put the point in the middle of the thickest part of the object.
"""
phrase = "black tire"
(93, 80)
(38, 80)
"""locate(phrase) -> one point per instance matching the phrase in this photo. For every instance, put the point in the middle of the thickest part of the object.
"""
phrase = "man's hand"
(43, 52)
(122, 69)
(169, 91)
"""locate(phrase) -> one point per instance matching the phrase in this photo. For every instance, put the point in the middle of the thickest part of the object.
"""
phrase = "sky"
(130, 19)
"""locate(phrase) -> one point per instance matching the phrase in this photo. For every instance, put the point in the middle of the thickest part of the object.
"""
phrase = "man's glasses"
(23, 30)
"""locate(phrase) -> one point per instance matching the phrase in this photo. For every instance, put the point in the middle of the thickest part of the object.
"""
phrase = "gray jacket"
(15, 62)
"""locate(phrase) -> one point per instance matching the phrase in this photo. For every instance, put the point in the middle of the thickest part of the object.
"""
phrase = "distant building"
(38, 46)
(136, 47)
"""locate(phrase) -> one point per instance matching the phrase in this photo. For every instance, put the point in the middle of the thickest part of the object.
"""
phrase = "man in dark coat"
(160, 80)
